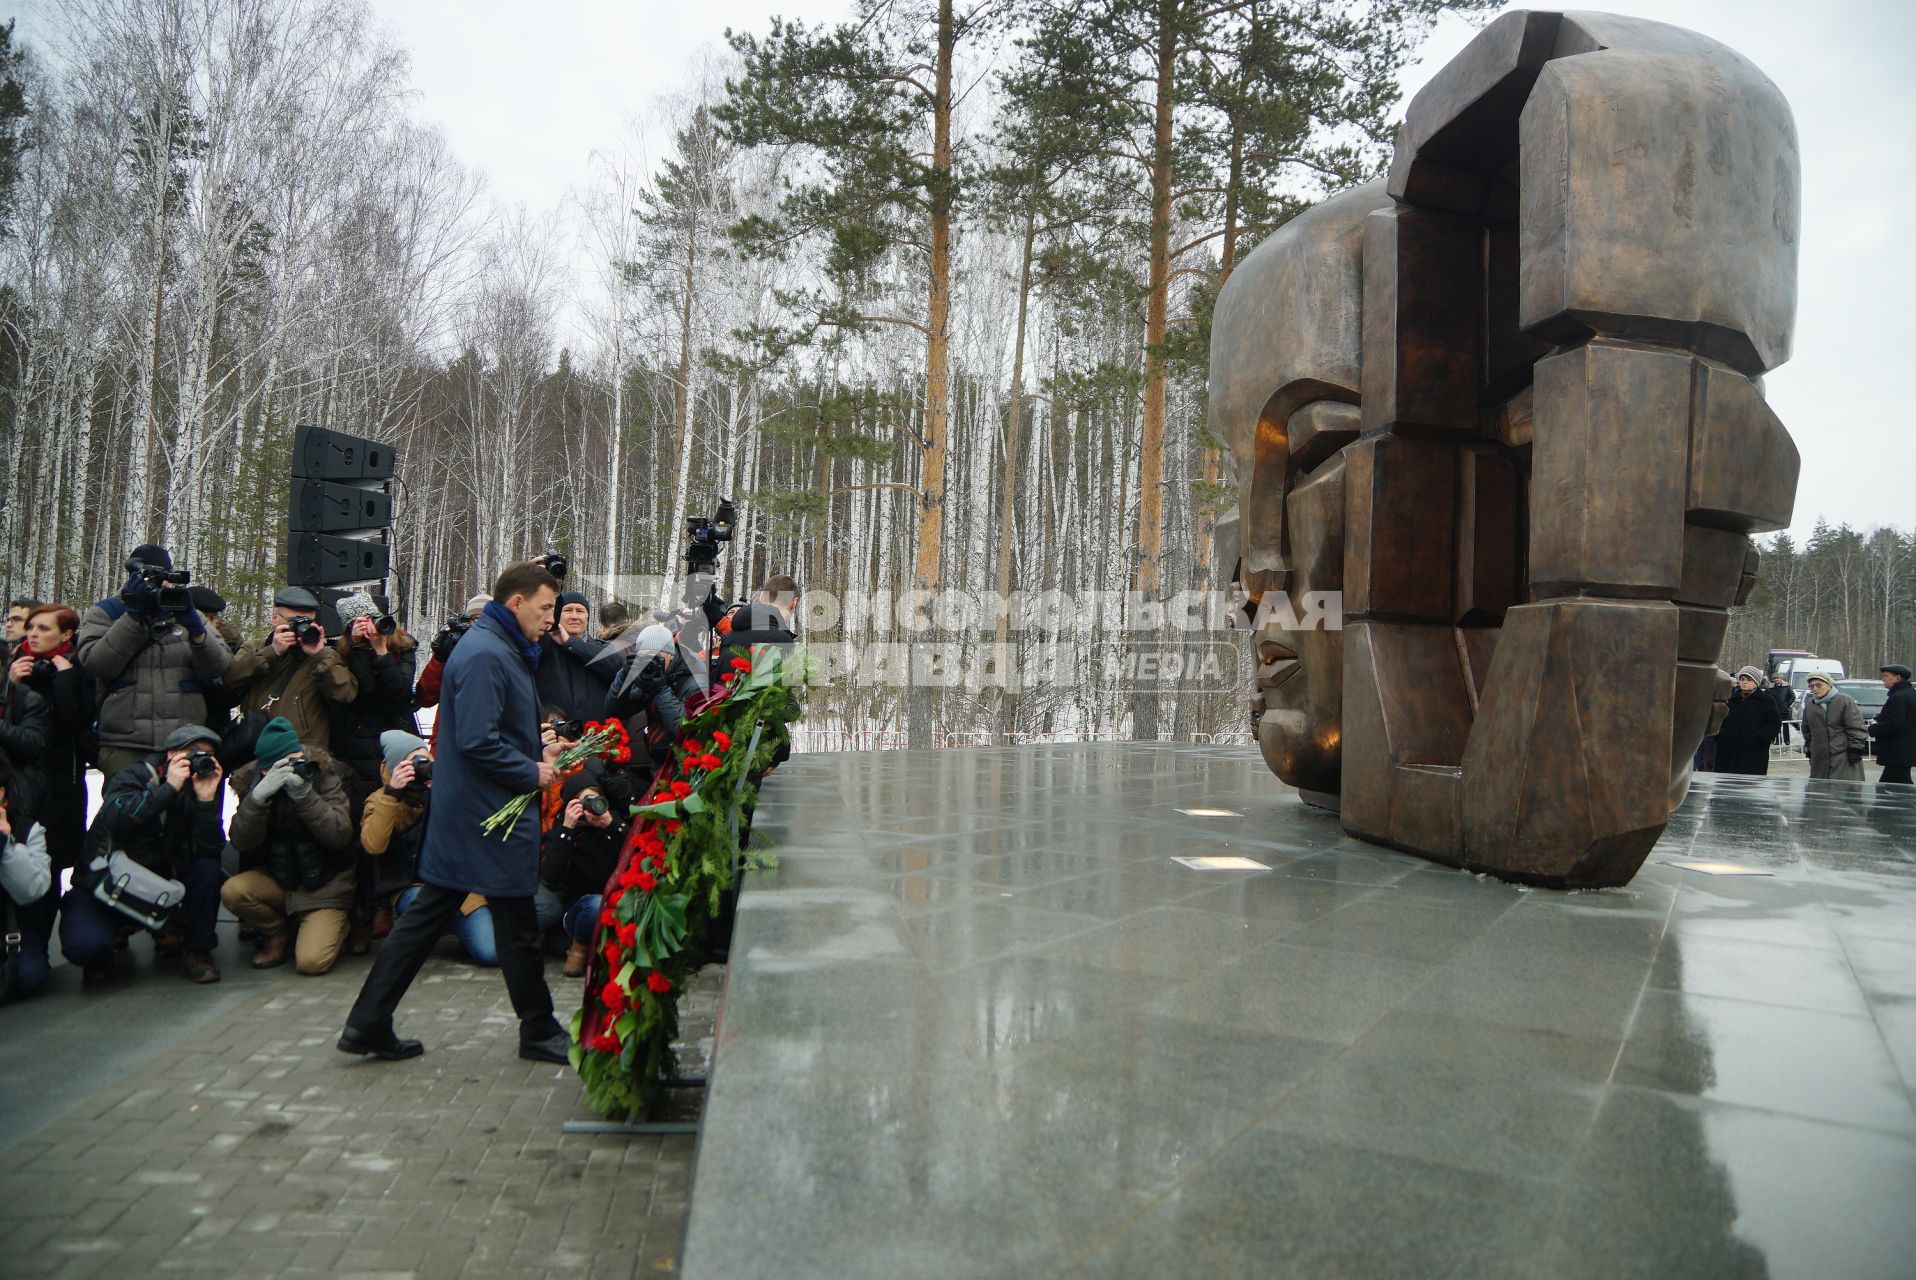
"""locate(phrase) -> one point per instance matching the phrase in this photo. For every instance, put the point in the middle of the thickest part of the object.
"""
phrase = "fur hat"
(353, 607)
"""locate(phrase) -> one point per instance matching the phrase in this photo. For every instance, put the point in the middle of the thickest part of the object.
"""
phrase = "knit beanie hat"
(276, 741)
(573, 597)
(353, 607)
(396, 744)
(476, 603)
(654, 639)
(152, 553)
(1752, 672)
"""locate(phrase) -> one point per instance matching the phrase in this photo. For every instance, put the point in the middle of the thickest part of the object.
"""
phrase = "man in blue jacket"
(488, 752)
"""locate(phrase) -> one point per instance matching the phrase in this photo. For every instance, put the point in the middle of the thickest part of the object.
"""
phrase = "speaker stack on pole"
(340, 518)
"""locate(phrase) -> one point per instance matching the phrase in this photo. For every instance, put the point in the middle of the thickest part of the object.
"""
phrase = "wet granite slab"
(978, 1023)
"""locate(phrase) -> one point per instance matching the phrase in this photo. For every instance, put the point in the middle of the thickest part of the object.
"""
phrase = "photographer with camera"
(650, 694)
(153, 655)
(292, 672)
(294, 833)
(578, 856)
(163, 813)
(43, 663)
(27, 898)
(393, 822)
(379, 653)
(427, 692)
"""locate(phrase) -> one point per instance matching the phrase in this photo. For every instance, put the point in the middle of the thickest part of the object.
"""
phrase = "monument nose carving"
(1507, 403)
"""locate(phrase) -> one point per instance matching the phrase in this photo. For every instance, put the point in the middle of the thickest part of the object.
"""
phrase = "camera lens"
(385, 626)
(594, 804)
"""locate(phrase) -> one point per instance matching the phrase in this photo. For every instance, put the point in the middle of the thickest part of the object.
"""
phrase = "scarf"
(529, 650)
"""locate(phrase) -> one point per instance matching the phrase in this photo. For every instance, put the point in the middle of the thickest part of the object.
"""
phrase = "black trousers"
(1895, 773)
(521, 960)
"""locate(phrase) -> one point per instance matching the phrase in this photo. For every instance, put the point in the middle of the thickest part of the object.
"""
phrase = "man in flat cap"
(292, 672)
(1895, 727)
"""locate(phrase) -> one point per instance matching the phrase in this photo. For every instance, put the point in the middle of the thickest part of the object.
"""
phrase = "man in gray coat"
(1834, 736)
(488, 752)
(154, 664)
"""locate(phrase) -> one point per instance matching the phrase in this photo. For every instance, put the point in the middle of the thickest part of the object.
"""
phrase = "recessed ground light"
(1210, 813)
(1221, 864)
(1718, 868)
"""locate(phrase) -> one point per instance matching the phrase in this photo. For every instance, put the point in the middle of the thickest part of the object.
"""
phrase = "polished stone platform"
(978, 1023)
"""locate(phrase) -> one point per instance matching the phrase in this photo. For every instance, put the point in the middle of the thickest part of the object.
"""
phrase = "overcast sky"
(527, 93)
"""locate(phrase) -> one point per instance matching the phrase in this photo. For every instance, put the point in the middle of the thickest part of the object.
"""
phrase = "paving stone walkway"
(255, 1149)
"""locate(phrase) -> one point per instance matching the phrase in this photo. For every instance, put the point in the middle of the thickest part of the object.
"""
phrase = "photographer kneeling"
(578, 856)
(391, 827)
(294, 834)
(162, 812)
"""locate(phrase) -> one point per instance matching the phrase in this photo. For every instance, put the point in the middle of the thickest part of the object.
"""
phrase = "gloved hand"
(297, 786)
(443, 642)
(274, 780)
(1856, 755)
(194, 624)
(136, 595)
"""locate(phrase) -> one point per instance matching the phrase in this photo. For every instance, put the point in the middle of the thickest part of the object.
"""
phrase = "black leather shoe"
(553, 1050)
(392, 1048)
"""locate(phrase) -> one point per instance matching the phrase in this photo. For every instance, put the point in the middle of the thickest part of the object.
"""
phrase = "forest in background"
(927, 291)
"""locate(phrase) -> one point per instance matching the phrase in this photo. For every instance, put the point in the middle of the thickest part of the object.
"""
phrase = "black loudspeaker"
(319, 454)
(319, 507)
(324, 560)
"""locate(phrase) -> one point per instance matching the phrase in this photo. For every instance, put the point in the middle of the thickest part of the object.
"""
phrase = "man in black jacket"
(574, 669)
(164, 813)
(1895, 727)
(1785, 703)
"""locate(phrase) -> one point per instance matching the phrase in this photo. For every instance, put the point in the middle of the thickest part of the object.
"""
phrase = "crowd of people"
(1836, 737)
(285, 776)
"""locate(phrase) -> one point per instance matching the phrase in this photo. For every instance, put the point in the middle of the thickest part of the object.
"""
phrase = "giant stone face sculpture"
(1507, 402)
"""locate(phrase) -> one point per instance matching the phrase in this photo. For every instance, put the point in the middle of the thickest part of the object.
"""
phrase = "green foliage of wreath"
(670, 889)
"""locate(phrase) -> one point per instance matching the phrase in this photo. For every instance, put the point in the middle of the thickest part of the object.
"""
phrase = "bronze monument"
(1507, 402)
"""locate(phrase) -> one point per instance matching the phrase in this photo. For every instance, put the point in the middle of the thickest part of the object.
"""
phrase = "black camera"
(43, 669)
(306, 769)
(570, 730)
(385, 624)
(594, 804)
(302, 627)
(706, 535)
(170, 594)
(556, 564)
(415, 791)
(202, 764)
(459, 624)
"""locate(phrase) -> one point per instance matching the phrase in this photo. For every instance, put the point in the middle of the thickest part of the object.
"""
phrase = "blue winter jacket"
(487, 751)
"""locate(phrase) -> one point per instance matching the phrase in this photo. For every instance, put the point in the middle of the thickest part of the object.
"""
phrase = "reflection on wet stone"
(1129, 1068)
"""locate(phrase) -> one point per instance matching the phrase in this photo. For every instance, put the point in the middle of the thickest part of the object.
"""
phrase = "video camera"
(705, 536)
(170, 594)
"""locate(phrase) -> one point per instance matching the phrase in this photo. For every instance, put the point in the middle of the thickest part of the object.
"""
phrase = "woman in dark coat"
(44, 663)
(382, 667)
(1743, 743)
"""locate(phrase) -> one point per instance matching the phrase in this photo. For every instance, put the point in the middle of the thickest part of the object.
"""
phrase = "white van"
(1800, 670)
